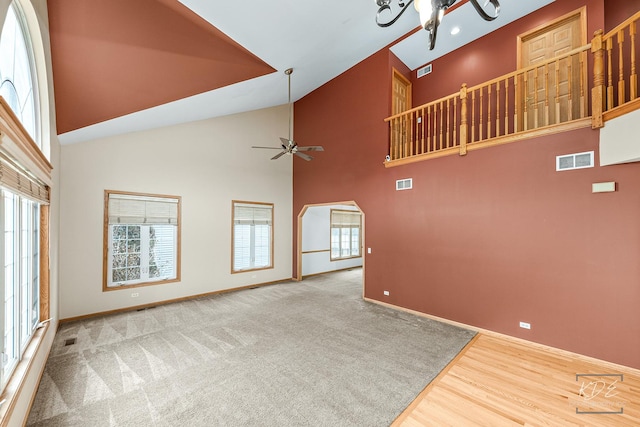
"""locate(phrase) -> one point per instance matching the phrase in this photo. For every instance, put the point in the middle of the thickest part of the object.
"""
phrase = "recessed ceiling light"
(455, 30)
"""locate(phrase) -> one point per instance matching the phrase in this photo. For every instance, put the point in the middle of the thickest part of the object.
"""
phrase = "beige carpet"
(293, 354)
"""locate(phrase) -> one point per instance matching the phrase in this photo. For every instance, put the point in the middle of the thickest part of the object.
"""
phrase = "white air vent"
(574, 161)
(404, 184)
(424, 70)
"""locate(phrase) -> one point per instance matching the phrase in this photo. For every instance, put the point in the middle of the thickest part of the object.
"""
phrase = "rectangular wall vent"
(404, 184)
(574, 161)
(424, 70)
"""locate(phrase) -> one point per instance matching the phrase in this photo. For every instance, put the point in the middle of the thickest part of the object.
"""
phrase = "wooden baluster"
(463, 120)
(570, 96)
(516, 107)
(427, 119)
(497, 109)
(422, 119)
(398, 138)
(473, 116)
(448, 137)
(557, 89)
(633, 79)
(583, 78)
(434, 127)
(506, 107)
(455, 121)
(405, 126)
(489, 112)
(621, 85)
(525, 112)
(546, 94)
(598, 91)
(481, 127)
(392, 135)
(403, 136)
(440, 142)
(610, 104)
(535, 99)
(412, 139)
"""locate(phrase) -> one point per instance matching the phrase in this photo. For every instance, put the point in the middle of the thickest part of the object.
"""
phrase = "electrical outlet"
(525, 325)
(135, 295)
(386, 293)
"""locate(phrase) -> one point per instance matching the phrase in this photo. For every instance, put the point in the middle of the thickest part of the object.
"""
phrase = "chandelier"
(431, 12)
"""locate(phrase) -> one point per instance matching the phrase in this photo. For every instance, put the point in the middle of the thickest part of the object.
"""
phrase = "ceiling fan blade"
(277, 156)
(287, 142)
(269, 148)
(311, 148)
(304, 156)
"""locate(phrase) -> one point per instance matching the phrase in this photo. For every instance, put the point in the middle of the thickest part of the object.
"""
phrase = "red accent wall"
(616, 11)
(489, 239)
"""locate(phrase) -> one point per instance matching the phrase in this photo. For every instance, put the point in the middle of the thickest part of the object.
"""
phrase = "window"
(142, 239)
(345, 234)
(17, 83)
(24, 206)
(20, 253)
(252, 236)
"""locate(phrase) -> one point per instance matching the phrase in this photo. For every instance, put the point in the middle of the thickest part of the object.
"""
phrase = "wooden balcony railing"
(546, 97)
(615, 80)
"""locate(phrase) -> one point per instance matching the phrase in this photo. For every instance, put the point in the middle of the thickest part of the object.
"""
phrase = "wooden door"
(401, 96)
(401, 102)
(551, 92)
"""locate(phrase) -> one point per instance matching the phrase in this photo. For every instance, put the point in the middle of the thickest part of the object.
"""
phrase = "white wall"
(209, 164)
(316, 241)
(619, 140)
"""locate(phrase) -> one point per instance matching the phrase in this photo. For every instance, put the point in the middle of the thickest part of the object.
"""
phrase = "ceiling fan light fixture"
(288, 145)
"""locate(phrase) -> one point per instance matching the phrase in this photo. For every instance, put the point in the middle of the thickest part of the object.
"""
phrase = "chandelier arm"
(393, 21)
(482, 13)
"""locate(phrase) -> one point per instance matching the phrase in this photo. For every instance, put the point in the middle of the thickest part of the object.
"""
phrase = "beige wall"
(209, 164)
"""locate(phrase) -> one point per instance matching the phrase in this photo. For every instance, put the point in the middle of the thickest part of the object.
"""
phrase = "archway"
(325, 252)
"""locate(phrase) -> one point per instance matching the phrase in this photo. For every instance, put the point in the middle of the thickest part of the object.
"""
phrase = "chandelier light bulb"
(425, 8)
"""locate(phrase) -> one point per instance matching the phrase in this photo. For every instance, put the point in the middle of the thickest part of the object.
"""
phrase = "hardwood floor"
(497, 381)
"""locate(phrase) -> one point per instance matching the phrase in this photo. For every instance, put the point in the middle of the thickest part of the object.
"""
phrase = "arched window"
(17, 73)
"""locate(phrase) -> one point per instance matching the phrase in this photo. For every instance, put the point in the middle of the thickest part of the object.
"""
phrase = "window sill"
(13, 390)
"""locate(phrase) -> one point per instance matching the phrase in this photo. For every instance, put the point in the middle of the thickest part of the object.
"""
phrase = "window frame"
(233, 236)
(107, 241)
(331, 227)
(21, 21)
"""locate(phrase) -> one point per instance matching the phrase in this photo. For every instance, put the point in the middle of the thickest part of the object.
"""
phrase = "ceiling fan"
(288, 145)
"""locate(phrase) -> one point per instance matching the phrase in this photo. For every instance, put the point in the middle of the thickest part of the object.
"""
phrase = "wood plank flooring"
(497, 381)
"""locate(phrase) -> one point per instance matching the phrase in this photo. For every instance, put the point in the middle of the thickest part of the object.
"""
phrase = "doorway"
(315, 246)
(550, 94)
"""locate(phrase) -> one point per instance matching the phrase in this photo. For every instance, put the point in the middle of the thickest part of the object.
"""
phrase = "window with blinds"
(252, 236)
(345, 234)
(142, 238)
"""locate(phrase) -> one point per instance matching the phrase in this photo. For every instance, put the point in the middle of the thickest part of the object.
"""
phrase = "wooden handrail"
(421, 107)
(532, 67)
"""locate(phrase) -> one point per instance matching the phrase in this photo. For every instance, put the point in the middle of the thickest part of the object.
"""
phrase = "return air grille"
(424, 70)
(404, 184)
(574, 161)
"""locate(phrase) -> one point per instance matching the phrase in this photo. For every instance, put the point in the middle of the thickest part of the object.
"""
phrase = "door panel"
(549, 89)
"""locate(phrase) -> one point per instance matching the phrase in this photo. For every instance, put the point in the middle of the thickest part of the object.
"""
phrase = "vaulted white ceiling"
(319, 39)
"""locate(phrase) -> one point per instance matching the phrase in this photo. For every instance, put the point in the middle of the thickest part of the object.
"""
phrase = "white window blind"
(143, 239)
(133, 209)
